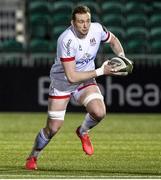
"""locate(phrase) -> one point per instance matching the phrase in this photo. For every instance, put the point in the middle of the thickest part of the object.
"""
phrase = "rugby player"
(73, 74)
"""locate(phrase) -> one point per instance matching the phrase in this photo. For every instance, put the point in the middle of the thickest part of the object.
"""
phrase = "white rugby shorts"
(62, 92)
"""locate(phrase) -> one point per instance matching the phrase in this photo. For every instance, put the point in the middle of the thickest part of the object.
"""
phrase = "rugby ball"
(119, 65)
(128, 63)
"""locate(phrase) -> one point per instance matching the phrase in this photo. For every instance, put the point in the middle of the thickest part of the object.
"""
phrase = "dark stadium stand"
(155, 33)
(155, 20)
(39, 25)
(39, 45)
(112, 7)
(12, 46)
(155, 39)
(137, 46)
(136, 40)
(60, 19)
(61, 7)
(156, 7)
(29, 30)
(12, 24)
(137, 20)
(156, 47)
(136, 7)
(133, 33)
(94, 7)
(35, 7)
(135, 23)
(113, 20)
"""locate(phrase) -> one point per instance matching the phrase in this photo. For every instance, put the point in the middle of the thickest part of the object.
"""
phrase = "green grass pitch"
(126, 145)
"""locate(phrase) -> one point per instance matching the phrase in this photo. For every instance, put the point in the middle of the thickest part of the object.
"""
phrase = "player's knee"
(98, 113)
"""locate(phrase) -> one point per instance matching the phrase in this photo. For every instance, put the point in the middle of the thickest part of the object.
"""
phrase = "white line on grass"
(79, 177)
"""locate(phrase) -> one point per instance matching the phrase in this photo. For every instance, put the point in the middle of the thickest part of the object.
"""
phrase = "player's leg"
(56, 112)
(92, 99)
(55, 120)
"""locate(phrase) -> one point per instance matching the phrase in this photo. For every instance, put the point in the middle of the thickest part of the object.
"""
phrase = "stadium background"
(28, 35)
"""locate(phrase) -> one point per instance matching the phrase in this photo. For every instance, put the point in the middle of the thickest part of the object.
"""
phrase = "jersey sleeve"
(105, 34)
(66, 50)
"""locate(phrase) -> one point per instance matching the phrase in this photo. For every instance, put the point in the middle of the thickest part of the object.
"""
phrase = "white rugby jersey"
(82, 51)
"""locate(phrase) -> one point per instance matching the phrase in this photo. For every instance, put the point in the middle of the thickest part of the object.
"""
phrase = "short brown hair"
(81, 9)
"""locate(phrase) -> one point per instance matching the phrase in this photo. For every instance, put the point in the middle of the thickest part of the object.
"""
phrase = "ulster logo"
(92, 42)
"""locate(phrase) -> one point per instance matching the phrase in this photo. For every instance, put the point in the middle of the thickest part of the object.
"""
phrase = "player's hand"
(106, 69)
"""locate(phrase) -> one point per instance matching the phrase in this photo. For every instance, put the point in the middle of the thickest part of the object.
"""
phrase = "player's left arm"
(116, 45)
(112, 40)
(119, 51)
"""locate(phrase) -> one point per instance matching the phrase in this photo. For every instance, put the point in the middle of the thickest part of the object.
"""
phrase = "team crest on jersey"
(92, 42)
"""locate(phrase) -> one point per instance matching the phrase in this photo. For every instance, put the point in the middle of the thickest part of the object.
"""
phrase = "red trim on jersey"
(86, 86)
(67, 59)
(59, 97)
(108, 36)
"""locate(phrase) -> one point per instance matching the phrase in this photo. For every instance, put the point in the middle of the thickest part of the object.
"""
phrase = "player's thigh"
(57, 104)
(97, 108)
(95, 105)
(87, 92)
(57, 99)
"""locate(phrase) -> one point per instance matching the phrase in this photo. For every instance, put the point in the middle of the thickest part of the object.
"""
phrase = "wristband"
(99, 71)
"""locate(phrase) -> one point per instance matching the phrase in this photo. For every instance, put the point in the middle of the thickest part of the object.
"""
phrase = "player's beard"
(82, 34)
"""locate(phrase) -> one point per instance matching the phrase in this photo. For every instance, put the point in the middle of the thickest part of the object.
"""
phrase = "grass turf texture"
(126, 145)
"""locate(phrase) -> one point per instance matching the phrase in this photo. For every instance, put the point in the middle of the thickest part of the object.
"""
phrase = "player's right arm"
(74, 76)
